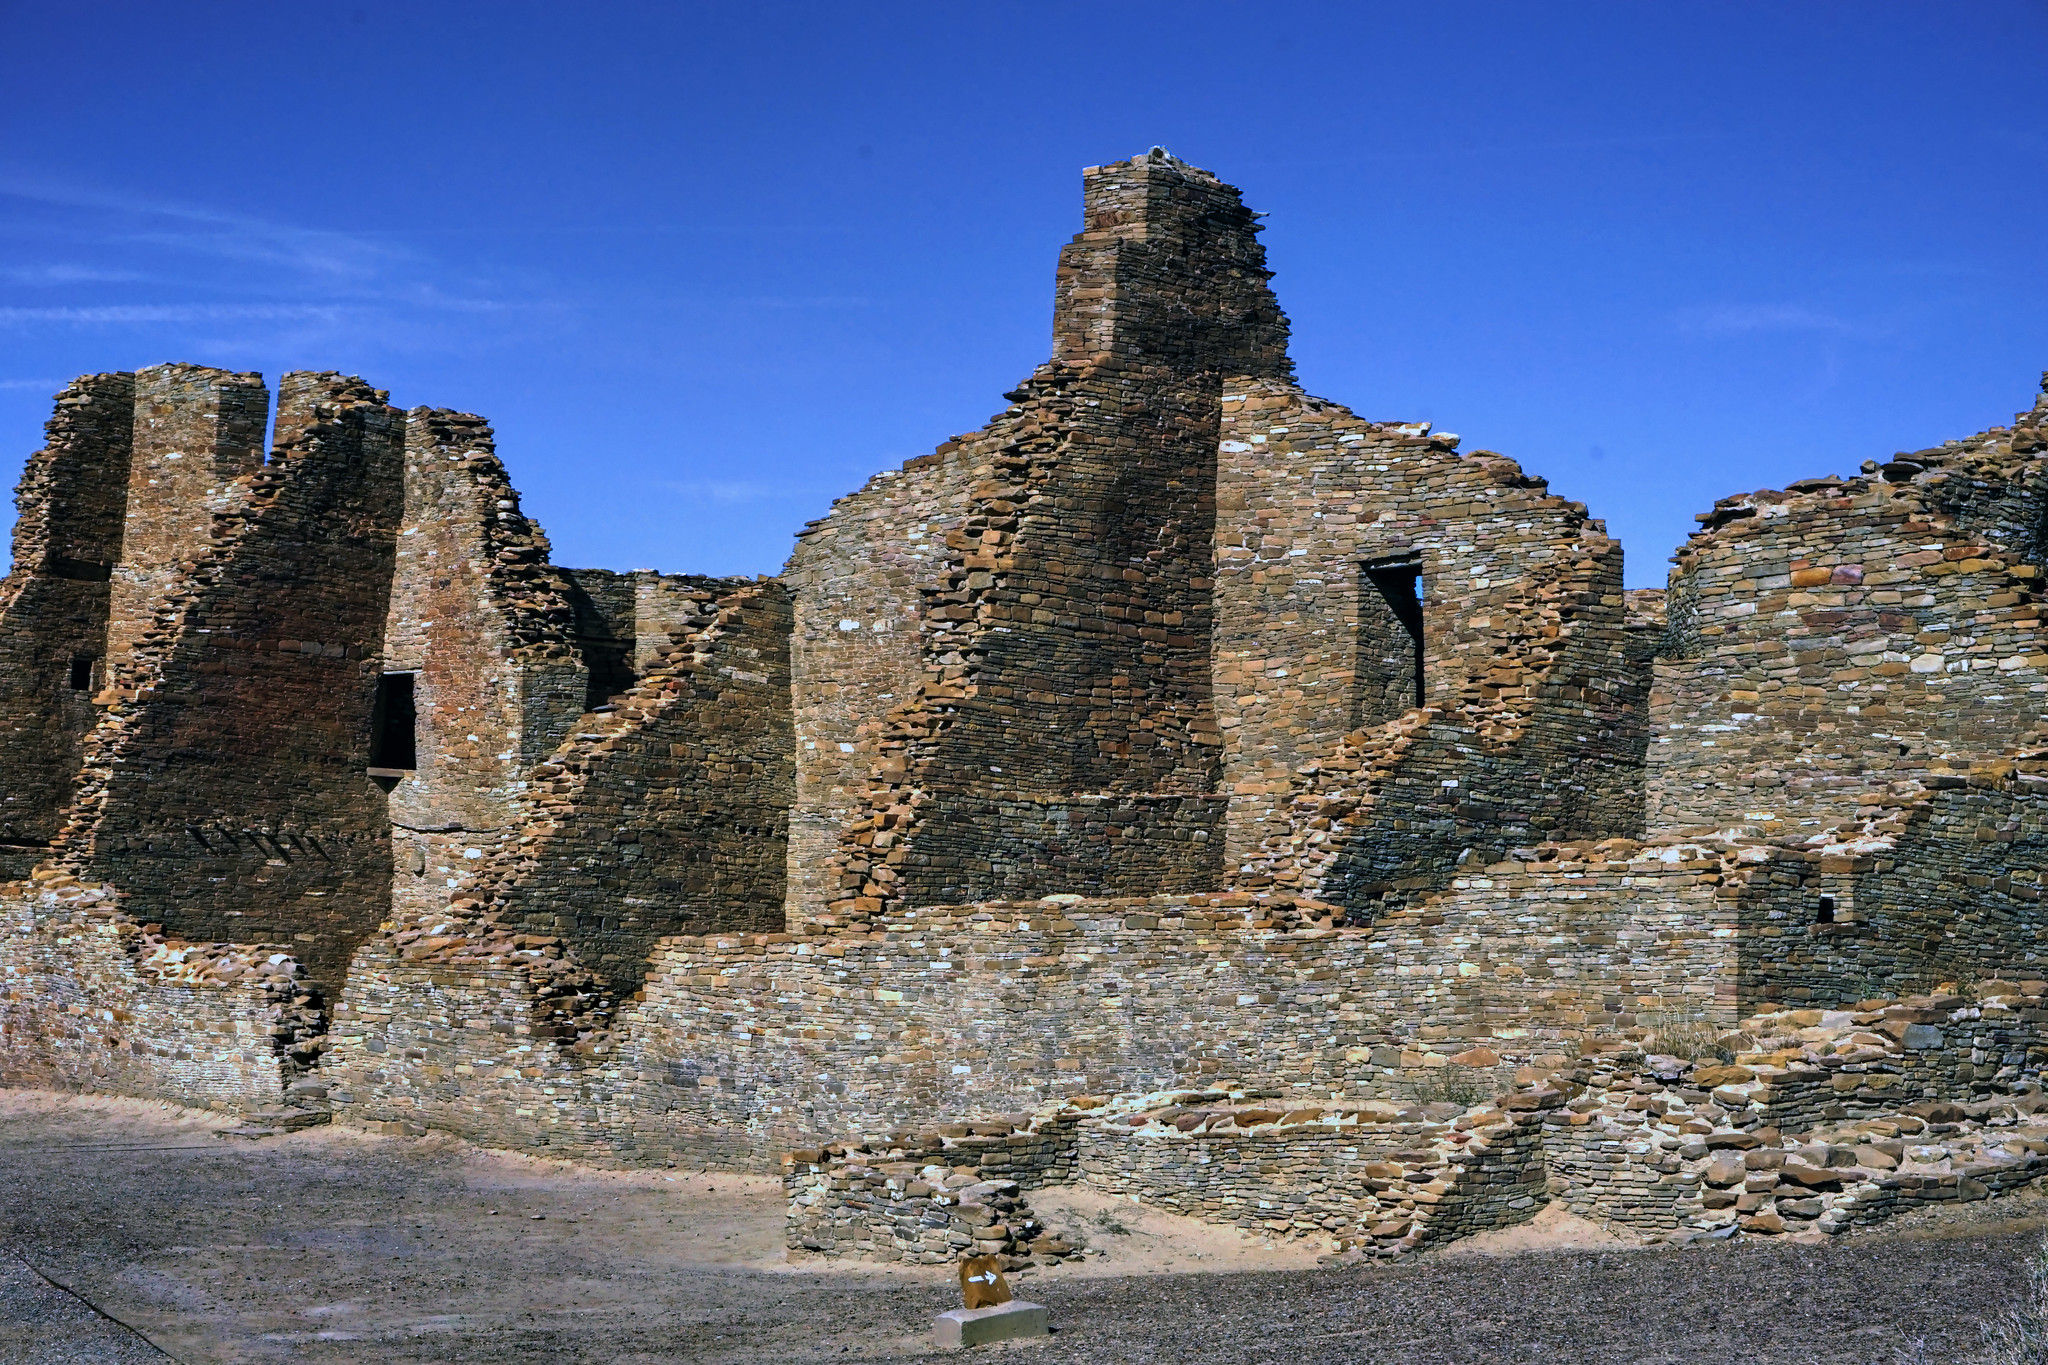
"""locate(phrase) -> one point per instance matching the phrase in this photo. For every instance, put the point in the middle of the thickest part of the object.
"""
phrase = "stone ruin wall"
(1822, 1121)
(223, 789)
(855, 581)
(90, 1001)
(1854, 675)
(1349, 779)
(1841, 639)
(481, 623)
(227, 796)
(53, 608)
(1092, 753)
(995, 1007)
(667, 812)
(1049, 725)
(197, 432)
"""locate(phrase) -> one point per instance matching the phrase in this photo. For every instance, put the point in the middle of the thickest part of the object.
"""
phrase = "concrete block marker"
(979, 1326)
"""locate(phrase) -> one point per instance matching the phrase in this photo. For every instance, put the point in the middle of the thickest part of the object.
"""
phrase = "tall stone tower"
(1001, 660)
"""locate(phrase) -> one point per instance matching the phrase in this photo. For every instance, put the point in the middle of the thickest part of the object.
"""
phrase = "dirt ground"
(130, 1232)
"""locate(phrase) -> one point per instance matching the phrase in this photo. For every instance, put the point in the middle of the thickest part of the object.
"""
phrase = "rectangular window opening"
(83, 666)
(1390, 647)
(392, 723)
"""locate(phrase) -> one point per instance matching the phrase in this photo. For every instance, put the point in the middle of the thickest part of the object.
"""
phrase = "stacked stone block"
(931, 1197)
(1174, 726)
(92, 1001)
(666, 811)
(1349, 778)
(224, 789)
(1049, 728)
(197, 433)
(54, 605)
(482, 624)
(1844, 638)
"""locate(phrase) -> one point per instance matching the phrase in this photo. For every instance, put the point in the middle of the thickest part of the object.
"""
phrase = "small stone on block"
(978, 1326)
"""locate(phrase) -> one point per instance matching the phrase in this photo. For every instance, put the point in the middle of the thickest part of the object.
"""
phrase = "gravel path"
(44, 1324)
(335, 1247)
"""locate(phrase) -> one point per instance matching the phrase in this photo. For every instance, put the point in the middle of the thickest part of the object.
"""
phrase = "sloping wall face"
(225, 790)
(53, 609)
(856, 579)
(669, 814)
(197, 432)
(483, 625)
(1063, 739)
(1061, 736)
(1956, 896)
(1349, 779)
(1321, 516)
(1840, 641)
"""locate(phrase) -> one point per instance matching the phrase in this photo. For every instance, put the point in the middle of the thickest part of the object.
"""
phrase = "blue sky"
(706, 267)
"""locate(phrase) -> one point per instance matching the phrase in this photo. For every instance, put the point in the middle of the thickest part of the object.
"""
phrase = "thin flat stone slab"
(979, 1326)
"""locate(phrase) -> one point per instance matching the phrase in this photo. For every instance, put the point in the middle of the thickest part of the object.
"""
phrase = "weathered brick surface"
(224, 790)
(666, 813)
(1176, 731)
(1342, 785)
(995, 1006)
(197, 433)
(1840, 639)
(933, 1196)
(1049, 726)
(53, 608)
(502, 1047)
(92, 1001)
(485, 626)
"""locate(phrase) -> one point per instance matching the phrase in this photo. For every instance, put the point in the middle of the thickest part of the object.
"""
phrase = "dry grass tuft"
(1685, 1036)
(2019, 1336)
(1454, 1085)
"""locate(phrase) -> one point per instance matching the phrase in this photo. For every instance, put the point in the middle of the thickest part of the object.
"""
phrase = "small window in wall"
(391, 724)
(83, 666)
(1825, 913)
(1389, 639)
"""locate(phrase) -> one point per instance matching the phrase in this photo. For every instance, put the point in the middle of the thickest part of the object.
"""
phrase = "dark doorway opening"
(81, 672)
(392, 723)
(1389, 640)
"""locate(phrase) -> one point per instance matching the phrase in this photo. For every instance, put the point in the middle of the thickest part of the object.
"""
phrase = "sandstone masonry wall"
(53, 608)
(484, 626)
(1839, 639)
(1945, 886)
(503, 1048)
(197, 433)
(669, 813)
(91, 1001)
(777, 1040)
(1340, 785)
(225, 789)
(855, 580)
(1053, 730)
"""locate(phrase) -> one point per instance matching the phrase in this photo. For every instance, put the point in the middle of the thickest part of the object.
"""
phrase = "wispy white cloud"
(127, 314)
(735, 490)
(215, 232)
(1732, 319)
(823, 301)
(67, 274)
(51, 384)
